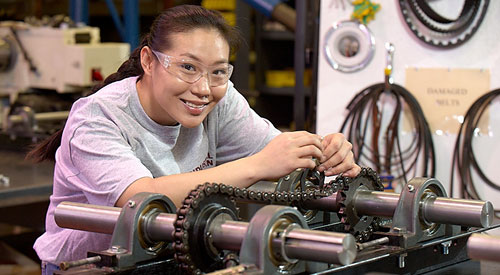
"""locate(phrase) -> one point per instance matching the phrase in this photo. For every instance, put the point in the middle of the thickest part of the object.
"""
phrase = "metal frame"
(128, 28)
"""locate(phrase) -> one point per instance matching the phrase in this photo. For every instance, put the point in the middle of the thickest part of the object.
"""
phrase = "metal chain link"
(192, 202)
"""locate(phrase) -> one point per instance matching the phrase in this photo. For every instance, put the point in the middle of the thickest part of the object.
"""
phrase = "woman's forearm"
(239, 173)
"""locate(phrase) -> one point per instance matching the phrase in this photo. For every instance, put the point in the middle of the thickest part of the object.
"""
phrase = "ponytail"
(45, 149)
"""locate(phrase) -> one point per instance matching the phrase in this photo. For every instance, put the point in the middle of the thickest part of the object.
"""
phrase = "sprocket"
(304, 180)
(361, 227)
(193, 246)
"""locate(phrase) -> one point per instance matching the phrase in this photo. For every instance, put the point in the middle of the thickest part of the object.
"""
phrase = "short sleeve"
(105, 161)
(242, 132)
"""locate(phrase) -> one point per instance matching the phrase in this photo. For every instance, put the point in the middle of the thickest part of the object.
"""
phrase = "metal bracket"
(408, 223)
(256, 248)
(130, 243)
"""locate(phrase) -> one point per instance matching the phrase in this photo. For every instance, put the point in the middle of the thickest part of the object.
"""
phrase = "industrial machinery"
(204, 235)
(484, 247)
(44, 68)
(416, 231)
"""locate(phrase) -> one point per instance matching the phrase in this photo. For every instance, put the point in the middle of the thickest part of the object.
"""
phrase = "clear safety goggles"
(191, 71)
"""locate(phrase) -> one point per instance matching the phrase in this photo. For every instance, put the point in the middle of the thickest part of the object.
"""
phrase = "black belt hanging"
(464, 159)
(364, 108)
(436, 30)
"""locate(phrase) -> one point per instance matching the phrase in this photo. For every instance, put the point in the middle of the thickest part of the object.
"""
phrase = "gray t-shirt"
(109, 142)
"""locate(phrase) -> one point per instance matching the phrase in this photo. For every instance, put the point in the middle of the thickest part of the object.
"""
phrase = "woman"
(167, 121)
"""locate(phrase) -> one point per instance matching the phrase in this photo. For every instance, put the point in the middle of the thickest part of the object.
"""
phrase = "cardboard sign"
(445, 95)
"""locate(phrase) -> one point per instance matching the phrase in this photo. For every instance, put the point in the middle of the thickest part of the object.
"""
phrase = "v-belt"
(464, 158)
(356, 124)
(434, 29)
(430, 18)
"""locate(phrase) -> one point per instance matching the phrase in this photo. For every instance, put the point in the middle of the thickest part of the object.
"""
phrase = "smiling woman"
(168, 120)
(185, 85)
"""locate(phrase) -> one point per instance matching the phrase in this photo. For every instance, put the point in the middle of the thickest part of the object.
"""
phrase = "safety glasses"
(191, 71)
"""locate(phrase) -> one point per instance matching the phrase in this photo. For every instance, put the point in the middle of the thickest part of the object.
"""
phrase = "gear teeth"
(343, 187)
(196, 196)
(182, 224)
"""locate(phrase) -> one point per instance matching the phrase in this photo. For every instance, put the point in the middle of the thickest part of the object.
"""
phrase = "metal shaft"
(372, 203)
(329, 247)
(305, 244)
(325, 204)
(437, 210)
(459, 211)
(47, 116)
(102, 219)
(68, 265)
(93, 218)
(229, 235)
(375, 242)
(484, 247)
(320, 246)
(162, 227)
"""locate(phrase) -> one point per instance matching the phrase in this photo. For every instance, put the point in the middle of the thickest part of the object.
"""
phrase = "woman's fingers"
(342, 154)
(344, 168)
(305, 139)
(309, 151)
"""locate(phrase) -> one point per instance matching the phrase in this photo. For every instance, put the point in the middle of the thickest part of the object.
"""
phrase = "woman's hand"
(337, 157)
(287, 152)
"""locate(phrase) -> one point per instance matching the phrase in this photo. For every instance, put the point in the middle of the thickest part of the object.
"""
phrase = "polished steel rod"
(161, 228)
(328, 204)
(329, 247)
(373, 203)
(229, 235)
(87, 217)
(484, 247)
(459, 211)
(320, 246)
(60, 115)
(438, 210)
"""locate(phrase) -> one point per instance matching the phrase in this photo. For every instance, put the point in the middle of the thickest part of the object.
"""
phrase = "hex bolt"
(287, 177)
(131, 204)
(399, 230)
(446, 247)
(411, 188)
(4, 181)
(116, 249)
(401, 260)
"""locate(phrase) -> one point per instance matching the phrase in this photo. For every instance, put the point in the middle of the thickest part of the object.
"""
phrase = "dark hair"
(179, 19)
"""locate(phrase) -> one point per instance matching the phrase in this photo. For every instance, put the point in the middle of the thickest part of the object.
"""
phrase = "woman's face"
(173, 100)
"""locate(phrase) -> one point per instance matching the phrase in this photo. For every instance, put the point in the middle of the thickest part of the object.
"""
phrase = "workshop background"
(300, 68)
